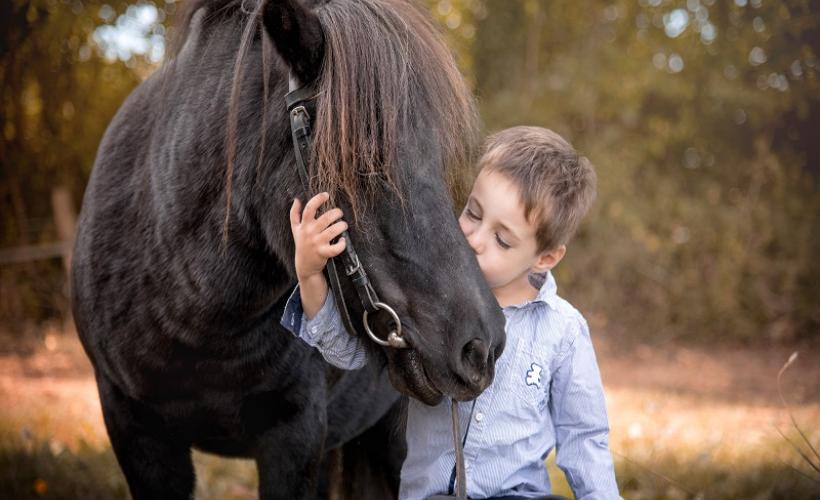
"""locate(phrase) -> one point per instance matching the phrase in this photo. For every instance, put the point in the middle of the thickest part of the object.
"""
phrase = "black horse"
(184, 257)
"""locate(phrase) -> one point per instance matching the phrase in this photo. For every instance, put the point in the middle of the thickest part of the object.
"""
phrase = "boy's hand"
(312, 235)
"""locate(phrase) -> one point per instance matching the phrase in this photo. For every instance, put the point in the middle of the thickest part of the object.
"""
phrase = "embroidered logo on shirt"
(534, 375)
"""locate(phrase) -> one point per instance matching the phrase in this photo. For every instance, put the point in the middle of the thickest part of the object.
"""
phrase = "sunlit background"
(137, 32)
(697, 268)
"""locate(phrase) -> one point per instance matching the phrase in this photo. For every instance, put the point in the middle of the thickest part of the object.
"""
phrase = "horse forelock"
(385, 62)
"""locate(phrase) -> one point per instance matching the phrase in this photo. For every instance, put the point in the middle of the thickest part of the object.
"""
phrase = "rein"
(299, 98)
(461, 473)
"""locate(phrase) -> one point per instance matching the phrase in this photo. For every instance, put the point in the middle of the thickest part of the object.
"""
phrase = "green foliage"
(707, 157)
(700, 115)
(57, 96)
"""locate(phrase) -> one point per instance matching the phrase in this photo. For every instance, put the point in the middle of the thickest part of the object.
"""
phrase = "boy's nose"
(475, 242)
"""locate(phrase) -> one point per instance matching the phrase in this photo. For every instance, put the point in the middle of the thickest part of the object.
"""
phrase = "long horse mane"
(384, 61)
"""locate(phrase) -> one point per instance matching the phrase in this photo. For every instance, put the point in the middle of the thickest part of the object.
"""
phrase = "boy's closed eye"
(503, 244)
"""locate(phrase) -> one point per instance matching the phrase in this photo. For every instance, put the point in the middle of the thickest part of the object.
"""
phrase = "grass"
(32, 468)
(772, 474)
(682, 427)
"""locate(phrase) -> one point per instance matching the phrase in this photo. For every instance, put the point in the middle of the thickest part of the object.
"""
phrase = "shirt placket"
(482, 414)
(475, 430)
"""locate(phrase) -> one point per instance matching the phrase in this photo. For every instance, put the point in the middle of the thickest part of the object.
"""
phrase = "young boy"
(529, 198)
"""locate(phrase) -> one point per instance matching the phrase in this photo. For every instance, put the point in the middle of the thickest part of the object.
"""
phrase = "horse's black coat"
(183, 328)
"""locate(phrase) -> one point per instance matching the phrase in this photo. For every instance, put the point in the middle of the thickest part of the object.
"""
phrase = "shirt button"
(479, 417)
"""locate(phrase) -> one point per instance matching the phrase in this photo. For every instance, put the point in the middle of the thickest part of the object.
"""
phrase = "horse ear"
(297, 35)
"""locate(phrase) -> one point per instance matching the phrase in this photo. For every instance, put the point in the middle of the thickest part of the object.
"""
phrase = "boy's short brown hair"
(556, 184)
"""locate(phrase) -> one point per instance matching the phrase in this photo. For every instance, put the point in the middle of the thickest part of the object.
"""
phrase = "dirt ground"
(710, 404)
(698, 404)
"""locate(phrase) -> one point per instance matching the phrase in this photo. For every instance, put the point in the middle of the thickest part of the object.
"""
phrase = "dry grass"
(686, 423)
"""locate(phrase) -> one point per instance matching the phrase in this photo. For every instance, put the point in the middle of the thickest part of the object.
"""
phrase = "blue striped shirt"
(546, 394)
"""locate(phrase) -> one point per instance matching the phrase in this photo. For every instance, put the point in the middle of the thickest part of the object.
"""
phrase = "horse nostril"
(474, 361)
(499, 349)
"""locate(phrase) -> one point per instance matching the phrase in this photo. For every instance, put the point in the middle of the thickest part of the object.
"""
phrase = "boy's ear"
(549, 259)
(297, 35)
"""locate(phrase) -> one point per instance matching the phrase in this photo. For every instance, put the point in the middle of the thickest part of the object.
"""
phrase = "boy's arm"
(312, 294)
(310, 312)
(579, 415)
(324, 331)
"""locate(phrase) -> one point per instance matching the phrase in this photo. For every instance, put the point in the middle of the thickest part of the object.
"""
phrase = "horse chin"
(408, 376)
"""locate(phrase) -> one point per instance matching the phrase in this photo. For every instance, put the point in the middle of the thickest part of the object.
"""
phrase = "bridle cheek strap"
(298, 99)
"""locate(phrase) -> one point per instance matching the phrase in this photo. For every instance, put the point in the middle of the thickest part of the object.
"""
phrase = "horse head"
(394, 131)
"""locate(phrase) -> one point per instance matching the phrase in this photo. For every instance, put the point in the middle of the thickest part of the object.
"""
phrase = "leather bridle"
(299, 98)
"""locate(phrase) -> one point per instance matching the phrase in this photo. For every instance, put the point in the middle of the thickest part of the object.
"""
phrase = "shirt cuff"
(292, 315)
(312, 330)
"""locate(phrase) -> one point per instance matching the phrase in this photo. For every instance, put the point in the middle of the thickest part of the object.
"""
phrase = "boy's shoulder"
(564, 310)
(547, 287)
(551, 325)
(558, 326)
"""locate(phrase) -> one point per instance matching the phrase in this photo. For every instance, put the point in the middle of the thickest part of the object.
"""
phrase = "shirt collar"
(547, 290)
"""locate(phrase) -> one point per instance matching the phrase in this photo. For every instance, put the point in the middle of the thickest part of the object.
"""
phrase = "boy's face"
(503, 239)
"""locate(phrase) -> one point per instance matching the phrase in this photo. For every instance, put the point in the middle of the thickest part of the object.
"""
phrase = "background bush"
(701, 117)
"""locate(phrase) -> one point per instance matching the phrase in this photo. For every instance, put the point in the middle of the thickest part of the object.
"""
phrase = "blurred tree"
(458, 19)
(59, 91)
(701, 117)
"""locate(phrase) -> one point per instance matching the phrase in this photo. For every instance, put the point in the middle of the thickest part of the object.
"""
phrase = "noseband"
(299, 98)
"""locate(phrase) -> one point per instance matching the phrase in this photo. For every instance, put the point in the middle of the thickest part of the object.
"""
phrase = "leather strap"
(461, 474)
(297, 101)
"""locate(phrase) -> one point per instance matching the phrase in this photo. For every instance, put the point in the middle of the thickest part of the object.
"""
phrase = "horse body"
(181, 320)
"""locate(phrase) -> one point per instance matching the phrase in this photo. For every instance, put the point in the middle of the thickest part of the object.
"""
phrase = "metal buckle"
(356, 264)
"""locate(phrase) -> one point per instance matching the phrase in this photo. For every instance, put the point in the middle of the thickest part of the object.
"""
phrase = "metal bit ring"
(394, 338)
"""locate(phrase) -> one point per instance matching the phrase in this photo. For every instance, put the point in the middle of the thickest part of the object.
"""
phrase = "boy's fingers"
(295, 210)
(310, 208)
(329, 217)
(334, 249)
(334, 230)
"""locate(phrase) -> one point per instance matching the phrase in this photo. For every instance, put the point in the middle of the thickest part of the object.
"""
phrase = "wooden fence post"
(65, 218)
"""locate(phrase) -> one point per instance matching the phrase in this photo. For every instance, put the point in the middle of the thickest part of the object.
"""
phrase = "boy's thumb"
(295, 215)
